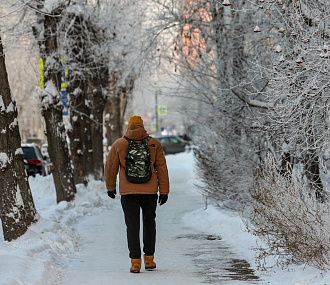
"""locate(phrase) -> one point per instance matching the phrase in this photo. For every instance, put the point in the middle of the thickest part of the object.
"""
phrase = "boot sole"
(150, 268)
(135, 271)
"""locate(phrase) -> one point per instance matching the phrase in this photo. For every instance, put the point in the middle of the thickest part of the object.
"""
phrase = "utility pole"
(156, 102)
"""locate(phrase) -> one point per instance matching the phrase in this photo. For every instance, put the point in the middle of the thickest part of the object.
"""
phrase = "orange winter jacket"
(159, 179)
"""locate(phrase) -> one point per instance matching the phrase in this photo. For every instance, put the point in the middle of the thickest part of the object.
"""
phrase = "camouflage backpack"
(137, 164)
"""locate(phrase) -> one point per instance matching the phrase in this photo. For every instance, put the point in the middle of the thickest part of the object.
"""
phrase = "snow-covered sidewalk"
(84, 242)
(183, 253)
(103, 257)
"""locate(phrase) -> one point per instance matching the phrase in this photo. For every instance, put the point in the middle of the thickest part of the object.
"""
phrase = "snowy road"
(183, 255)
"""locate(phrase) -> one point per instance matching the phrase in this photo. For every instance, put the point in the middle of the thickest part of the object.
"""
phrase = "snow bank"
(39, 256)
(230, 227)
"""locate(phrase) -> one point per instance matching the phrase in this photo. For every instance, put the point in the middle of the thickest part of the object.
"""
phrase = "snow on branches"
(287, 217)
(290, 207)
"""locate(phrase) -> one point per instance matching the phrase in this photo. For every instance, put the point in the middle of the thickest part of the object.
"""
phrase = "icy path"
(183, 255)
(103, 257)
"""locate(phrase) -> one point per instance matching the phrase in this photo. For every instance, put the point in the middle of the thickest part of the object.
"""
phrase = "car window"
(29, 152)
(163, 140)
(173, 140)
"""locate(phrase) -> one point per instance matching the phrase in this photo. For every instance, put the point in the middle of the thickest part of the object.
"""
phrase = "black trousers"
(132, 204)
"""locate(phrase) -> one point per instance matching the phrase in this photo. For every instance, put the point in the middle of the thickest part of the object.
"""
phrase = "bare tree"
(16, 203)
(292, 223)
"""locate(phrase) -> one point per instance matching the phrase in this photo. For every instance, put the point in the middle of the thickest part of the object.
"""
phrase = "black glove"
(162, 199)
(112, 194)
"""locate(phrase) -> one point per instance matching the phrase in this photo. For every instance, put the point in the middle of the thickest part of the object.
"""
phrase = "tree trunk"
(16, 203)
(59, 155)
(97, 134)
(99, 85)
(116, 107)
(312, 171)
(80, 103)
(80, 131)
(46, 34)
(114, 126)
(286, 164)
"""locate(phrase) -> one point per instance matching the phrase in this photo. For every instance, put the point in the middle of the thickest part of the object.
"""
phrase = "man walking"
(142, 174)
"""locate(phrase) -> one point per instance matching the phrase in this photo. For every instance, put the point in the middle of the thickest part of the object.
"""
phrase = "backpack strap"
(127, 138)
(145, 139)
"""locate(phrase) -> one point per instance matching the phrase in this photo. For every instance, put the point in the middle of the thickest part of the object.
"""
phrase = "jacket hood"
(136, 132)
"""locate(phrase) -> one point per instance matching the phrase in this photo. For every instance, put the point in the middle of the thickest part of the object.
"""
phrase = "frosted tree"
(80, 40)
(16, 203)
(126, 57)
(45, 30)
(211, 52)
(120, 91)
(289, 200)
(96, 44)
(299, 83)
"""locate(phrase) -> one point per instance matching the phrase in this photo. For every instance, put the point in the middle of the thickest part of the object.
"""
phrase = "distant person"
(142, 174)
(164, 132)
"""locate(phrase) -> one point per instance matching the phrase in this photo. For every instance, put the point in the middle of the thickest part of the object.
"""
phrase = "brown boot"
(149, 262)
(136, 265)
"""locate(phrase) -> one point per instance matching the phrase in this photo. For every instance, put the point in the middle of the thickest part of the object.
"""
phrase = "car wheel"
(164, 151)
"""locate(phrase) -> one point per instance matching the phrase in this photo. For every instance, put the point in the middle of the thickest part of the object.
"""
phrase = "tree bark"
(81, 34)
(18, 211)
(114, 126)
(98, 99)
(312, 171)
(286, 164)
(78, 132)
(116, 107)
(46, 34)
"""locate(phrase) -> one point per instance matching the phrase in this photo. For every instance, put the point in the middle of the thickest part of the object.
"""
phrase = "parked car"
(172, 144)
(34, 161)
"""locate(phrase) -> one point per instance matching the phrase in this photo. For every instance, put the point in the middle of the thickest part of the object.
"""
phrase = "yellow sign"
(162, 110)
(41, 73)
(153, 126)
(64, 75)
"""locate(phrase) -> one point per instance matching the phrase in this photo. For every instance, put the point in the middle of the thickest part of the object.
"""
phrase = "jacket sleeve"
(111, 169)
(162, 172)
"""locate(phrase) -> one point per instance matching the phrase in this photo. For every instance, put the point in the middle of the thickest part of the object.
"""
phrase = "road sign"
(41, 73)
(65, 103)
(162, 110)
(64, 76)
(153, 126)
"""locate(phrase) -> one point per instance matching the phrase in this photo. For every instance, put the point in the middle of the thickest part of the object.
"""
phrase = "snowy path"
(183, 255)
(84, 242)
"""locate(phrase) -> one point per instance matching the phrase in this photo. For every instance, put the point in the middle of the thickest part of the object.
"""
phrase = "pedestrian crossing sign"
(153, 127)
(162, 110)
